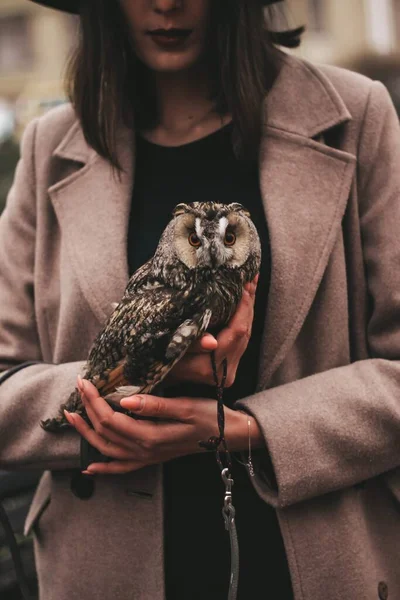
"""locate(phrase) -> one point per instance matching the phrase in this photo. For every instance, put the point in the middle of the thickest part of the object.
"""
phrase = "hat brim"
(72, 6)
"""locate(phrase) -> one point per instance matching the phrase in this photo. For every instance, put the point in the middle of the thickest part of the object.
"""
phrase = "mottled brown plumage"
(193, 283)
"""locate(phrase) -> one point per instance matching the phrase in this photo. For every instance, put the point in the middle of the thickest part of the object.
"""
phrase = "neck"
(185, 108)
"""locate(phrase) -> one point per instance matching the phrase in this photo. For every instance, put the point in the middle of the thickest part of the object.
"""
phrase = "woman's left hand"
(182, 423)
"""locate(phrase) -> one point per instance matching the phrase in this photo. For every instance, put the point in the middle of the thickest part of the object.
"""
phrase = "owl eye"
(230, 238)
(194, 240)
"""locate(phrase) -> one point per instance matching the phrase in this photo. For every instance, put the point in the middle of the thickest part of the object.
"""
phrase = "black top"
(196, 543)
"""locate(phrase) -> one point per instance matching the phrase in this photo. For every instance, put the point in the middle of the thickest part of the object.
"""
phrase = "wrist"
(237, 432)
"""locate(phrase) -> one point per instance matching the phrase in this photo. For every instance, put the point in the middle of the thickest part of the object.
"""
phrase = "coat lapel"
(305, 191)
(305, 186)
(92, 206)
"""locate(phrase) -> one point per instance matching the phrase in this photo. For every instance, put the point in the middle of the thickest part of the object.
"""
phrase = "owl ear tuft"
(180, 209)
(236, 207)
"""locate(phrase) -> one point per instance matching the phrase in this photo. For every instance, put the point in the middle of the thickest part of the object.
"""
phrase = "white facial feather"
(223, 224)
(199, 229)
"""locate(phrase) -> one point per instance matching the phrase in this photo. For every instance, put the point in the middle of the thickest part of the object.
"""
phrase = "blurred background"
(362, 35)
(34, 45)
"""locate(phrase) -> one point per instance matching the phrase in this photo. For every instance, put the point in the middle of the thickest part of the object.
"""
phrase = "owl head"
(212, 236)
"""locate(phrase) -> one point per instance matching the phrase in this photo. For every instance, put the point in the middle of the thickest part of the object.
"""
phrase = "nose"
(166, 6)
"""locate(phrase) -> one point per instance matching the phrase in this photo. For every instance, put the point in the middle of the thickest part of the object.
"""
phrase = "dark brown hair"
(108, 85)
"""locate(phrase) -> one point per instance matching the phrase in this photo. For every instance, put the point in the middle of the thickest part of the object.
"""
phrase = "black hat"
(72, 6)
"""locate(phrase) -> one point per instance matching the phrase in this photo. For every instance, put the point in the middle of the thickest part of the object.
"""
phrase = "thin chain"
(249, 459)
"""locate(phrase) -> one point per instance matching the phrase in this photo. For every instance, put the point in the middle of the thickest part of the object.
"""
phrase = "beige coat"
(329, 390)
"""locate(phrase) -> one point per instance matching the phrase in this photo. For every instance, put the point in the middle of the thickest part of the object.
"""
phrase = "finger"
(115, 467)
(99, 411)
(95, 409)
(119, 428)
(237, 333)
(194, 368)
(86, 387)
(178, 409)
(207, 343)
(245, 308)
(95, 440)
(102, 416)
(109, 433)
(251, 286)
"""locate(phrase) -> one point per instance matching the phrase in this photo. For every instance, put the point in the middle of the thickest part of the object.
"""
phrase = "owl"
(192, 284)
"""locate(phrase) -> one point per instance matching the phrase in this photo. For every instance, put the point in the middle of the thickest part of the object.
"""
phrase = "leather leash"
(219, 445)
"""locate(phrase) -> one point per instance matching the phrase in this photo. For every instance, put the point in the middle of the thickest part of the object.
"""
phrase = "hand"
(134, 444)
(230, 343)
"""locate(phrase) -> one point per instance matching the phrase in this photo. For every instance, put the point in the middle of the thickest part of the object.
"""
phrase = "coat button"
(383, 591)
(82, 486)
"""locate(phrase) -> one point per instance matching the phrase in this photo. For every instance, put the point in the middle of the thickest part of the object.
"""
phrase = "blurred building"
(362, 35)
(34, 44)
(340, 30)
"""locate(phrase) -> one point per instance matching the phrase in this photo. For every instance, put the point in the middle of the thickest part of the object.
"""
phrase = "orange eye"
(194, 240)
(230, 238)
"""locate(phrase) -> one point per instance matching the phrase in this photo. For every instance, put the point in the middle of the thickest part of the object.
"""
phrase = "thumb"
(154, 406)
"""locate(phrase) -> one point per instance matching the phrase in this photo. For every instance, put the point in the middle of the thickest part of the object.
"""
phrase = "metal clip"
(228, 481)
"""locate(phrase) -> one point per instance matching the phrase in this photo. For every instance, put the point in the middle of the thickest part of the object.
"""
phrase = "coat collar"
(304, 185)
(303, 101)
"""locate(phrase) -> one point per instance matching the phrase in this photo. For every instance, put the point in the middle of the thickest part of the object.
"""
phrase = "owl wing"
(139, 278)
(145, 336)
(189, 331)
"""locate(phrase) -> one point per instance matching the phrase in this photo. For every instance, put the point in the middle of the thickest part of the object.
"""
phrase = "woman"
(161, 117)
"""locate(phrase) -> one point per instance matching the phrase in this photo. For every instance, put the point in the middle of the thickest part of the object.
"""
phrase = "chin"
(169, 62)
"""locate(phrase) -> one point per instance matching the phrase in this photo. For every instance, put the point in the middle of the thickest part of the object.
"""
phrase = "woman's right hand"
(231, 343)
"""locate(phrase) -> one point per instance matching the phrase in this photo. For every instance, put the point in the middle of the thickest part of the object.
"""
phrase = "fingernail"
(80, 384)
(81, 387)
(69, 417)
(87, 472)
(133, 403)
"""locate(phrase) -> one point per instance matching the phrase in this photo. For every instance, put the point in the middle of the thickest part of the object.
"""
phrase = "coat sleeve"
(38, 389)
(340, 427)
